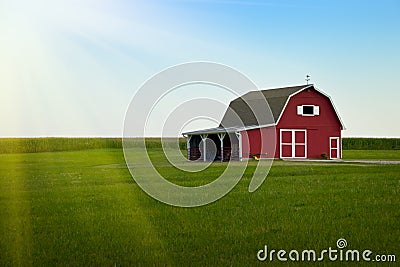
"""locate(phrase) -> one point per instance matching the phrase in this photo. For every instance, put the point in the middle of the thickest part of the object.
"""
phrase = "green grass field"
(372, 154)
(82, 208)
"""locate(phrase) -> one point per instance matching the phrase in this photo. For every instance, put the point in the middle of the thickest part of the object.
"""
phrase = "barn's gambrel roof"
(245, 106)
(277, 99)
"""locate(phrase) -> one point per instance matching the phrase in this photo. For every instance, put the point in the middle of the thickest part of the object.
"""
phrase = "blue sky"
(70, 68)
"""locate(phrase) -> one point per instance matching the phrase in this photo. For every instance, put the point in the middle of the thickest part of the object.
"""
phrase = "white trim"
(188, 138)
(239, 136)
(287, 101)
(299, 110)
(293, 143)
(316, 110)
(203, 138)
(221, 137)
(338, 145)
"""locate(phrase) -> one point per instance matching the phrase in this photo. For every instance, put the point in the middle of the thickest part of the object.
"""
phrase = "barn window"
(308, 110)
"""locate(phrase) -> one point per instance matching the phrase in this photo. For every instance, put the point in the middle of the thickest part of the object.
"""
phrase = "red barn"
(304, 124)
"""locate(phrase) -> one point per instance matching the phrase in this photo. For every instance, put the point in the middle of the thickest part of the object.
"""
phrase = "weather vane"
(307, 78)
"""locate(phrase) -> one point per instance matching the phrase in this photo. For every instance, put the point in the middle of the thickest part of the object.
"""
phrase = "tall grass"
(32, 145)
(371, 143)
(49, 144)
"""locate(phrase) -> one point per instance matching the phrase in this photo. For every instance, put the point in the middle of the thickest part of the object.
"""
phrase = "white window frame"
(301, 108)
(338, 147)
(293, 143)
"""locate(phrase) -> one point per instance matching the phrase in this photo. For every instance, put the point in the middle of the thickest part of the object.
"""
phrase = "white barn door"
(293, 143)
(334, 147)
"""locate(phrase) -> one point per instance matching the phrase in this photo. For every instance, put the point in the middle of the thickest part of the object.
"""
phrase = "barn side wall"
(252, 146)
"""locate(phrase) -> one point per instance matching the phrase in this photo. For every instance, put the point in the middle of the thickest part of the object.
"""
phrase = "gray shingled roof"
(248, 104)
